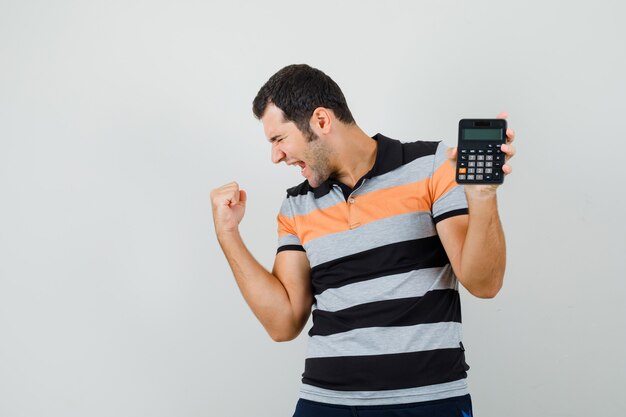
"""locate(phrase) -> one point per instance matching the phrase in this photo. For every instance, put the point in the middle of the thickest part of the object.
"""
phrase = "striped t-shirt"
(386, 314)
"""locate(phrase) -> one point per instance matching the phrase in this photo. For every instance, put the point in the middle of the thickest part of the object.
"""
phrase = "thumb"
(242, 197)
(451, 153)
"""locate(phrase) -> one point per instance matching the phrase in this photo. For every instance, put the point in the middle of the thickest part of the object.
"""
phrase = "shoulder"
(419, 149)
(301, 189)
(403, 152)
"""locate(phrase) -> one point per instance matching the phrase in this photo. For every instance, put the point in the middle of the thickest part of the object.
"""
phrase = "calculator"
(479, 158)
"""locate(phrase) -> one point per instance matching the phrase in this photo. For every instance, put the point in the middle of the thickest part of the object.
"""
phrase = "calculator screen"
(482, 134)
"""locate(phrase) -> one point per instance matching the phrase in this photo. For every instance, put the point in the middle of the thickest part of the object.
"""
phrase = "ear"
(321, 120)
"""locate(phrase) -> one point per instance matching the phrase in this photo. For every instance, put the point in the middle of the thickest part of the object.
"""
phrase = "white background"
(117, 118)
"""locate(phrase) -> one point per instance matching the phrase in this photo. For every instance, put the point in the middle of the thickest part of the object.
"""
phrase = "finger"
(510, 135)
(243, 197)
(233, 200)
(233, 196)
(509, 151)
(503, 115)
(507, 169)
(451, 153)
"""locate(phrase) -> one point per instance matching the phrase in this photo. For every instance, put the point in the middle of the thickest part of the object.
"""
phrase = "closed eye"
(276, 138)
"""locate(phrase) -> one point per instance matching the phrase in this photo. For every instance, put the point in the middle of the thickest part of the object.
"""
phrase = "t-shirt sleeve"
(287, 237)
(447, 197)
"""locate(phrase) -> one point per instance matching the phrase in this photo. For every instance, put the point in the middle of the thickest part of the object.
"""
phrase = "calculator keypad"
(480, 165)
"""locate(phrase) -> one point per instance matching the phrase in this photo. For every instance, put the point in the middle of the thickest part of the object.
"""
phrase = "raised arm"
(282, 299)
(475, 246)
(475, 243)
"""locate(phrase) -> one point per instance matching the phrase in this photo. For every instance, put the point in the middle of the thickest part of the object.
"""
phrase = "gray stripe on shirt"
(400, 396)
(386, 340)
(410, 284)
(288, 240)
(454, 199)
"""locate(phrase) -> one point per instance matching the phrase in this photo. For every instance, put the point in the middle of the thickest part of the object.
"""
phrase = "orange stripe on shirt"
(286, 226)
(375, 205)
(443, 180)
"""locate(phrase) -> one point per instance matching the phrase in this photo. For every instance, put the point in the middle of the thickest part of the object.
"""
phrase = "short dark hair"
(298, 90)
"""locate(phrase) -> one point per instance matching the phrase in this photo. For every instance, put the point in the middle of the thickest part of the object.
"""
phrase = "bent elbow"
(485, 287)
(286, 330)
(283, 336)
(486, 295)
(486, 292)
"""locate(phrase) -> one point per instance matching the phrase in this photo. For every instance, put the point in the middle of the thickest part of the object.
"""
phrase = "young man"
(374, 241)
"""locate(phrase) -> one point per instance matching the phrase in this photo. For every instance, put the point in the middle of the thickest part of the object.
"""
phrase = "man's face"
(291, 146)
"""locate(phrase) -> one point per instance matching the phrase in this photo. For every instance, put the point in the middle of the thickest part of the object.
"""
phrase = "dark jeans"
(450, 407)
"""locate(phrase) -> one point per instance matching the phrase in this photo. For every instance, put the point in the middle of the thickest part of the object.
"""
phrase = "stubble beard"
(318, 156)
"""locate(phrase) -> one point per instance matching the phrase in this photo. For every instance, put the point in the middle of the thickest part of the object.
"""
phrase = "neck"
(355, 154)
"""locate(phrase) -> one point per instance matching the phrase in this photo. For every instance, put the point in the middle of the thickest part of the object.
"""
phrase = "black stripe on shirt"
(414, 150)
(290, 247)
(386, 372)
(385, 260)
(449, 214)
(434, 307)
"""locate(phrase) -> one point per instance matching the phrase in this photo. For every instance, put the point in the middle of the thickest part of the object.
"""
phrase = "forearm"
(264, 293)
(483, 258)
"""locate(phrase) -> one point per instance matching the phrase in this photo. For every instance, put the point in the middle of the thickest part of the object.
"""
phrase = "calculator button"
(472, 151)
(462, 170)
(470, 170)
(471, 164)
(463, 150)
(470, 177)
(462, 164)
(488, 164)
(489, 158)
(472, 157)
(463, 157)
(481, 157)
(480, 164)
(488, 177)
(488, 170)
(479, 170)
(479, 177)
(461, 177)
(481, 151)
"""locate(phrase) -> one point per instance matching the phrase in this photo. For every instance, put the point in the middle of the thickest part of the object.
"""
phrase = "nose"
(277, 154)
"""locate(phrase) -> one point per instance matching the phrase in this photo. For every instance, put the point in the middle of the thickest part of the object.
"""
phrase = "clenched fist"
(229, 206)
